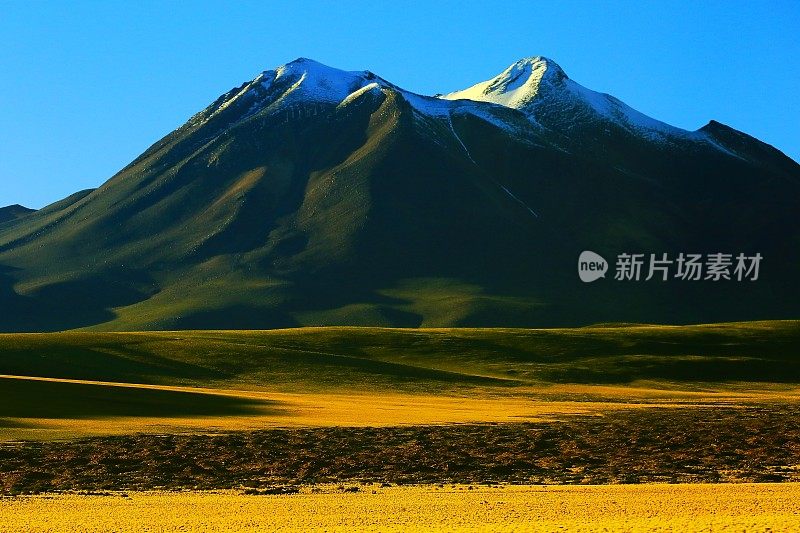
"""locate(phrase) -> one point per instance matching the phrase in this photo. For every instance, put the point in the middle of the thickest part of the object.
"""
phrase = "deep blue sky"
(87, 86)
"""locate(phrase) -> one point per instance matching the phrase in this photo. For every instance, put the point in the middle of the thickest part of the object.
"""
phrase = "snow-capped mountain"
(541, 89)
(536, 86)
(311, 195)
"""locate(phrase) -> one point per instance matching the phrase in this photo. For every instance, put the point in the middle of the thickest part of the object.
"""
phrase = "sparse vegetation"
(662, 445)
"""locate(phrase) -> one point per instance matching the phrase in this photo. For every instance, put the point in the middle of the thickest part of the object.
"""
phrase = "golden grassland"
(700, 507)
(270, 409)
(76, 384)
(373, 406)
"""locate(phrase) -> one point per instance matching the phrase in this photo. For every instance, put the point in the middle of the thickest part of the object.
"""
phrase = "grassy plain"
(269, 429)
(722, 508)
(74, 384)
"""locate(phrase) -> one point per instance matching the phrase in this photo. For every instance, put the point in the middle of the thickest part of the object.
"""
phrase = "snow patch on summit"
(614, 110)
(516, 87)
(319, 82)
(538, 87)
(374, 86)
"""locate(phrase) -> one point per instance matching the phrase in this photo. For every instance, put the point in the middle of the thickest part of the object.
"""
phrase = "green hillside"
(14, 212)
(428, 359)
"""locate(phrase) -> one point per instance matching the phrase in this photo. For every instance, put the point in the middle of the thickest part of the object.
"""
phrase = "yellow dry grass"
(719, 508)
(371, 409)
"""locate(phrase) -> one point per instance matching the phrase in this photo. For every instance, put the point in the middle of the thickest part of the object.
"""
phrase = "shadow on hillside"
(100, 361)
(23, 398)
(69, 303)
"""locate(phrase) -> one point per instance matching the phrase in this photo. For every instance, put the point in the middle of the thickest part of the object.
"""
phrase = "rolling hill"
(56, 385)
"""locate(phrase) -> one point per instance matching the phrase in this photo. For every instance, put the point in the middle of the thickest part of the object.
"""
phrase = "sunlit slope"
(335, 358)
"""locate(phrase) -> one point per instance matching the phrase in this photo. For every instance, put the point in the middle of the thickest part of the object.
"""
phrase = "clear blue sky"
(87, 86)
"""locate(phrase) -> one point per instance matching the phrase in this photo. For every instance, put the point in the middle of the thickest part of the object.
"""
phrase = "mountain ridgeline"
(315, 196)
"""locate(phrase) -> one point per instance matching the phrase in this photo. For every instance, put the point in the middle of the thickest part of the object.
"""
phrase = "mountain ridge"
(14, 212)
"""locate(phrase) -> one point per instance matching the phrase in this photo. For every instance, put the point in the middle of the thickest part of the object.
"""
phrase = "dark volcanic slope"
(317, 196)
